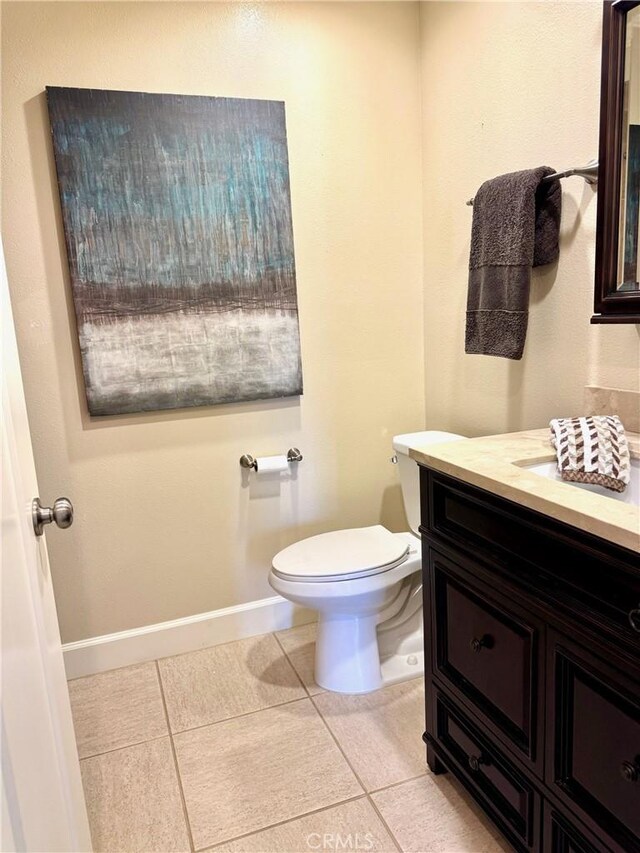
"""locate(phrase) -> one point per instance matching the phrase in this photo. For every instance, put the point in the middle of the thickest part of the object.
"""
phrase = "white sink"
(631, 494)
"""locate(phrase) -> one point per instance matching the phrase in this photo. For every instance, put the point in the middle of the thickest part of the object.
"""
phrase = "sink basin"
(631, 494)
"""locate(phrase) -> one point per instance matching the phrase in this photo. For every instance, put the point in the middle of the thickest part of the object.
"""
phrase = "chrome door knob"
(61, 512)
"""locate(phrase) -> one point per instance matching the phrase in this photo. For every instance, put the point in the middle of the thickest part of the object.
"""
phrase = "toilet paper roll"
(271, 464)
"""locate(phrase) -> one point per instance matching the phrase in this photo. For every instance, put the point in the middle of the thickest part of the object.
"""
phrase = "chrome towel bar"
(588, 172)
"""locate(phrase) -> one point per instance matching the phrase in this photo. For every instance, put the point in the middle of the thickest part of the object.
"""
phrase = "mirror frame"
(610, 304)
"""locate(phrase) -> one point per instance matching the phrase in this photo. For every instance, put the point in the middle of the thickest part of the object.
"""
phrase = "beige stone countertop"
(494, 463)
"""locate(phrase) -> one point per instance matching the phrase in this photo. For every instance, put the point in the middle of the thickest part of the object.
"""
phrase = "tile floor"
(235, 748)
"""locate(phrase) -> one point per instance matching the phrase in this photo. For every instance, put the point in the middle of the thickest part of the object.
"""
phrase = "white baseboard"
(98, 654)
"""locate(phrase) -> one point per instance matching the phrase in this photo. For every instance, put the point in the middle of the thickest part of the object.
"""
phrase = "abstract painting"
(177, 220)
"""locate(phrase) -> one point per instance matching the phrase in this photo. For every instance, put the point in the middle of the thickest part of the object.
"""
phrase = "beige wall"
(164, 526)
(508, 86)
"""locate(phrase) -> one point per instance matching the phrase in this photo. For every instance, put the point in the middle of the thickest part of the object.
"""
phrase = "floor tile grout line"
(185, 811)
(375, 790)
(361, 796)
(240, 716)
(384, 787)
(337, 743)
(124, 746)
(384, 823)
(395, 784)
(286, 654)
(175, 763)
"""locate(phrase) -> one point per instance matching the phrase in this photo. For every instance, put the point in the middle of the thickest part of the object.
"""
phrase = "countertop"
(494, 463)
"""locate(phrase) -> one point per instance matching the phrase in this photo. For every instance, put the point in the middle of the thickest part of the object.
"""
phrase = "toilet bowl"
(365, 584)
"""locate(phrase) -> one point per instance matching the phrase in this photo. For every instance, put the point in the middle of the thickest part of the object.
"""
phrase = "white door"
(43, 805)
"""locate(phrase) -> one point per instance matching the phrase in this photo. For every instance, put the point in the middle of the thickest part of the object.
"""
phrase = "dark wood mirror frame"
(612, 305)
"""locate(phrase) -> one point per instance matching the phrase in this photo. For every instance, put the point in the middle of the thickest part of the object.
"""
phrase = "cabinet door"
(594, 741)
(487, 651)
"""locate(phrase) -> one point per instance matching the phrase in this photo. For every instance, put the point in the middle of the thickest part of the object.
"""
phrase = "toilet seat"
(341, 555)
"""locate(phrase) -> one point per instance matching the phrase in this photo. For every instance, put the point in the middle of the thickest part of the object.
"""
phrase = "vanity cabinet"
(532, 669)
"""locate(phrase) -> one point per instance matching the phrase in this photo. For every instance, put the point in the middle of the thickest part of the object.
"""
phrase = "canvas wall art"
(177, 220)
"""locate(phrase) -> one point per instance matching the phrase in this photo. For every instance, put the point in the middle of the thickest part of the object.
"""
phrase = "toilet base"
(402, 667)
(348, 659)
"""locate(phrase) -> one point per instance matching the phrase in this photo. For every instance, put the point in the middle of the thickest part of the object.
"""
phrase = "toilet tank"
(409, 470)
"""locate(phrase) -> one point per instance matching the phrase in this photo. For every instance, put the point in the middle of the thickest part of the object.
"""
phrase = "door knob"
(61, 512)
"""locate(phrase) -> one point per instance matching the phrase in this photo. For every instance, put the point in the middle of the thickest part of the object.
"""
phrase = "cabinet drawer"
(562, 836)
(596, 741)
(486, 651)
(489, 773)
(581, 573)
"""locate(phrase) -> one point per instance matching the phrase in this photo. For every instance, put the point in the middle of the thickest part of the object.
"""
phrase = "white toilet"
(365, 583)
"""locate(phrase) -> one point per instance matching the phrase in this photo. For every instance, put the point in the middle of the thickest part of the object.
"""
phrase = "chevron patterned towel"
(592, 450)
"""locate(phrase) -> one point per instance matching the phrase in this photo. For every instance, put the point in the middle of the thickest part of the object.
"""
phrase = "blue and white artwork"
(177, 219)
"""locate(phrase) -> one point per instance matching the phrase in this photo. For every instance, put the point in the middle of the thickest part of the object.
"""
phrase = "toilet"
(366, 584)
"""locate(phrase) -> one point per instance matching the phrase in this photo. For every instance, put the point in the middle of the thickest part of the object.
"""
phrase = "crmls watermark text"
(340, 841)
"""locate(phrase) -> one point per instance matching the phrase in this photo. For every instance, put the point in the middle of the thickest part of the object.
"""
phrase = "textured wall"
(508, 86)
(164, 526)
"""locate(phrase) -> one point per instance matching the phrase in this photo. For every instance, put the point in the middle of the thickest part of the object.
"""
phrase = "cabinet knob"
(485, 642)
(634, 619)
(629, 771)
(475, 761)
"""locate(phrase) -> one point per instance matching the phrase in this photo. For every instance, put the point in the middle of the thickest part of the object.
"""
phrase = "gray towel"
(516, 224)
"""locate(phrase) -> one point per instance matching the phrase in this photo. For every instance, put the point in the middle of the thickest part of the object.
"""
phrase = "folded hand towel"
(516, 224)
(592, 450)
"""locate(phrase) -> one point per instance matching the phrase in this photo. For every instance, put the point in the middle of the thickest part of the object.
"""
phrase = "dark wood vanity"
(532, 669)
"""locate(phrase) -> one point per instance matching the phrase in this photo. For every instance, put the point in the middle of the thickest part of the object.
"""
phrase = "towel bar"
(588, 172)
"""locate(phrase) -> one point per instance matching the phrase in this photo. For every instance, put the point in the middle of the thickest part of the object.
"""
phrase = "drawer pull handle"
(629, 771)
(634, 619)
(475, 761)
(485, 642)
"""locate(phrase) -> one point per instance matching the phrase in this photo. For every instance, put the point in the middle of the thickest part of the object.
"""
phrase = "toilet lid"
(341, 554)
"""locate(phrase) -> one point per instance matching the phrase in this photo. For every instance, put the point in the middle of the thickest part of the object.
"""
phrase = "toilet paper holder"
(249, 461)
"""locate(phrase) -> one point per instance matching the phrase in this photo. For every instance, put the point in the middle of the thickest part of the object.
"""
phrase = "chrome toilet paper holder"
(249, 461)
